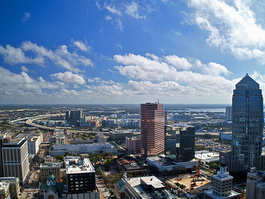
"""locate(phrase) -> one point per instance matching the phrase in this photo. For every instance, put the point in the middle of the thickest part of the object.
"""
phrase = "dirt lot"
(186, 180)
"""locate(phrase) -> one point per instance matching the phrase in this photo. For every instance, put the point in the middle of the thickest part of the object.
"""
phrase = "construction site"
(194, 183)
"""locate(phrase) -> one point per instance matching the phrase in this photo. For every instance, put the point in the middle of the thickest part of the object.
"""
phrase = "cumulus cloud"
(61, 56)
(178, 62)
(160, 69)
(22, 81)
(81, 45)
(69, 77)
(25, 17)
(232, 27)
(132, 10)
(95, 79)
(173, 75)
(24, 69)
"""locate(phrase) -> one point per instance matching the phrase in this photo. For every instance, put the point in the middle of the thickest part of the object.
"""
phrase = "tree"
(183, 169)
(59, 157)
(207, 136)
(214, 165)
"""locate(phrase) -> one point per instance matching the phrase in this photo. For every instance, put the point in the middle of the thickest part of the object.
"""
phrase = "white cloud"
(119, 24)
(61, 56)
(132, 10)
(24, 69)
(232, 27)
(69, 77)
(81, 45)
(160, 76)
(108, 18)
(75, 86)
(25, 17)
(22, 81)
(178, 62)
(16, 55)
(118, 45)
(216, 69)
(95, 79)
(113, 10)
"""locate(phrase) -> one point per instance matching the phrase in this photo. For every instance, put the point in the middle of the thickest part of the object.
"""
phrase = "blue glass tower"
(247, 120)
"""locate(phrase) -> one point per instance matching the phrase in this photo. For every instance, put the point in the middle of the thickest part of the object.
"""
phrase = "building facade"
(180, 143)
(152, 129)
(80, 175)
(255, 184)
(4, 190)
(14, 188)
(73, 117)
(133, 144)
(15, 159)
(228, 113)
(247, 129)
(221, 185)
(50, 169)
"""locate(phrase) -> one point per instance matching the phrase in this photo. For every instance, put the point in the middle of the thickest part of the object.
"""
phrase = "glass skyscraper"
(152, 129)
(180, 143)
(247, 130)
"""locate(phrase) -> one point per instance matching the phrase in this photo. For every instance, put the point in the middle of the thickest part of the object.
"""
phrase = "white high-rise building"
(221, 185)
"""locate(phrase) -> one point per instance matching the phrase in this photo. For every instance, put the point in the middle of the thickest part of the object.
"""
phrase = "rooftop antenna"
(158, 101)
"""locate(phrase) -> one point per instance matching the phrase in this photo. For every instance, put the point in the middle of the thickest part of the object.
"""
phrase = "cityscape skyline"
(101, 52)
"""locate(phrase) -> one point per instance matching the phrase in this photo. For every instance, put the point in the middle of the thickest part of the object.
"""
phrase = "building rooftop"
(48, 165)
(135, 183)
(210, 193)
(17, 142)
(247, 83)
(161, 161)
(74, 164)
(153, 181)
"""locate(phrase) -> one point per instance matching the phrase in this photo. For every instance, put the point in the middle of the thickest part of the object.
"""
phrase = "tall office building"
(247, 130)
(228, 113)
(15, 159)
(73, 117)
(180, 143)
(152, 129)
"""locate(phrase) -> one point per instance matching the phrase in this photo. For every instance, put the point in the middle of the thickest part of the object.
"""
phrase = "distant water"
(196, 107)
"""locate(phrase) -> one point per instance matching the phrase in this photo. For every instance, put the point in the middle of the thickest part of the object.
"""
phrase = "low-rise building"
(61, 149)
(119, 189)
(164, 164)
(4, 190)
(14, 188)
(51, 189)
(207, 157)
(145, 187)
(49, 159)
(130, 167)
(47, 169)
(120, 135)
(58, 139)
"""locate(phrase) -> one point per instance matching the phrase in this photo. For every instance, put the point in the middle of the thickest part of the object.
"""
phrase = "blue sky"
(112, 52)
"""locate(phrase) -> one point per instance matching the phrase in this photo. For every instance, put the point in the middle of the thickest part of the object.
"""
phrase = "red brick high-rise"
(152, 129)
